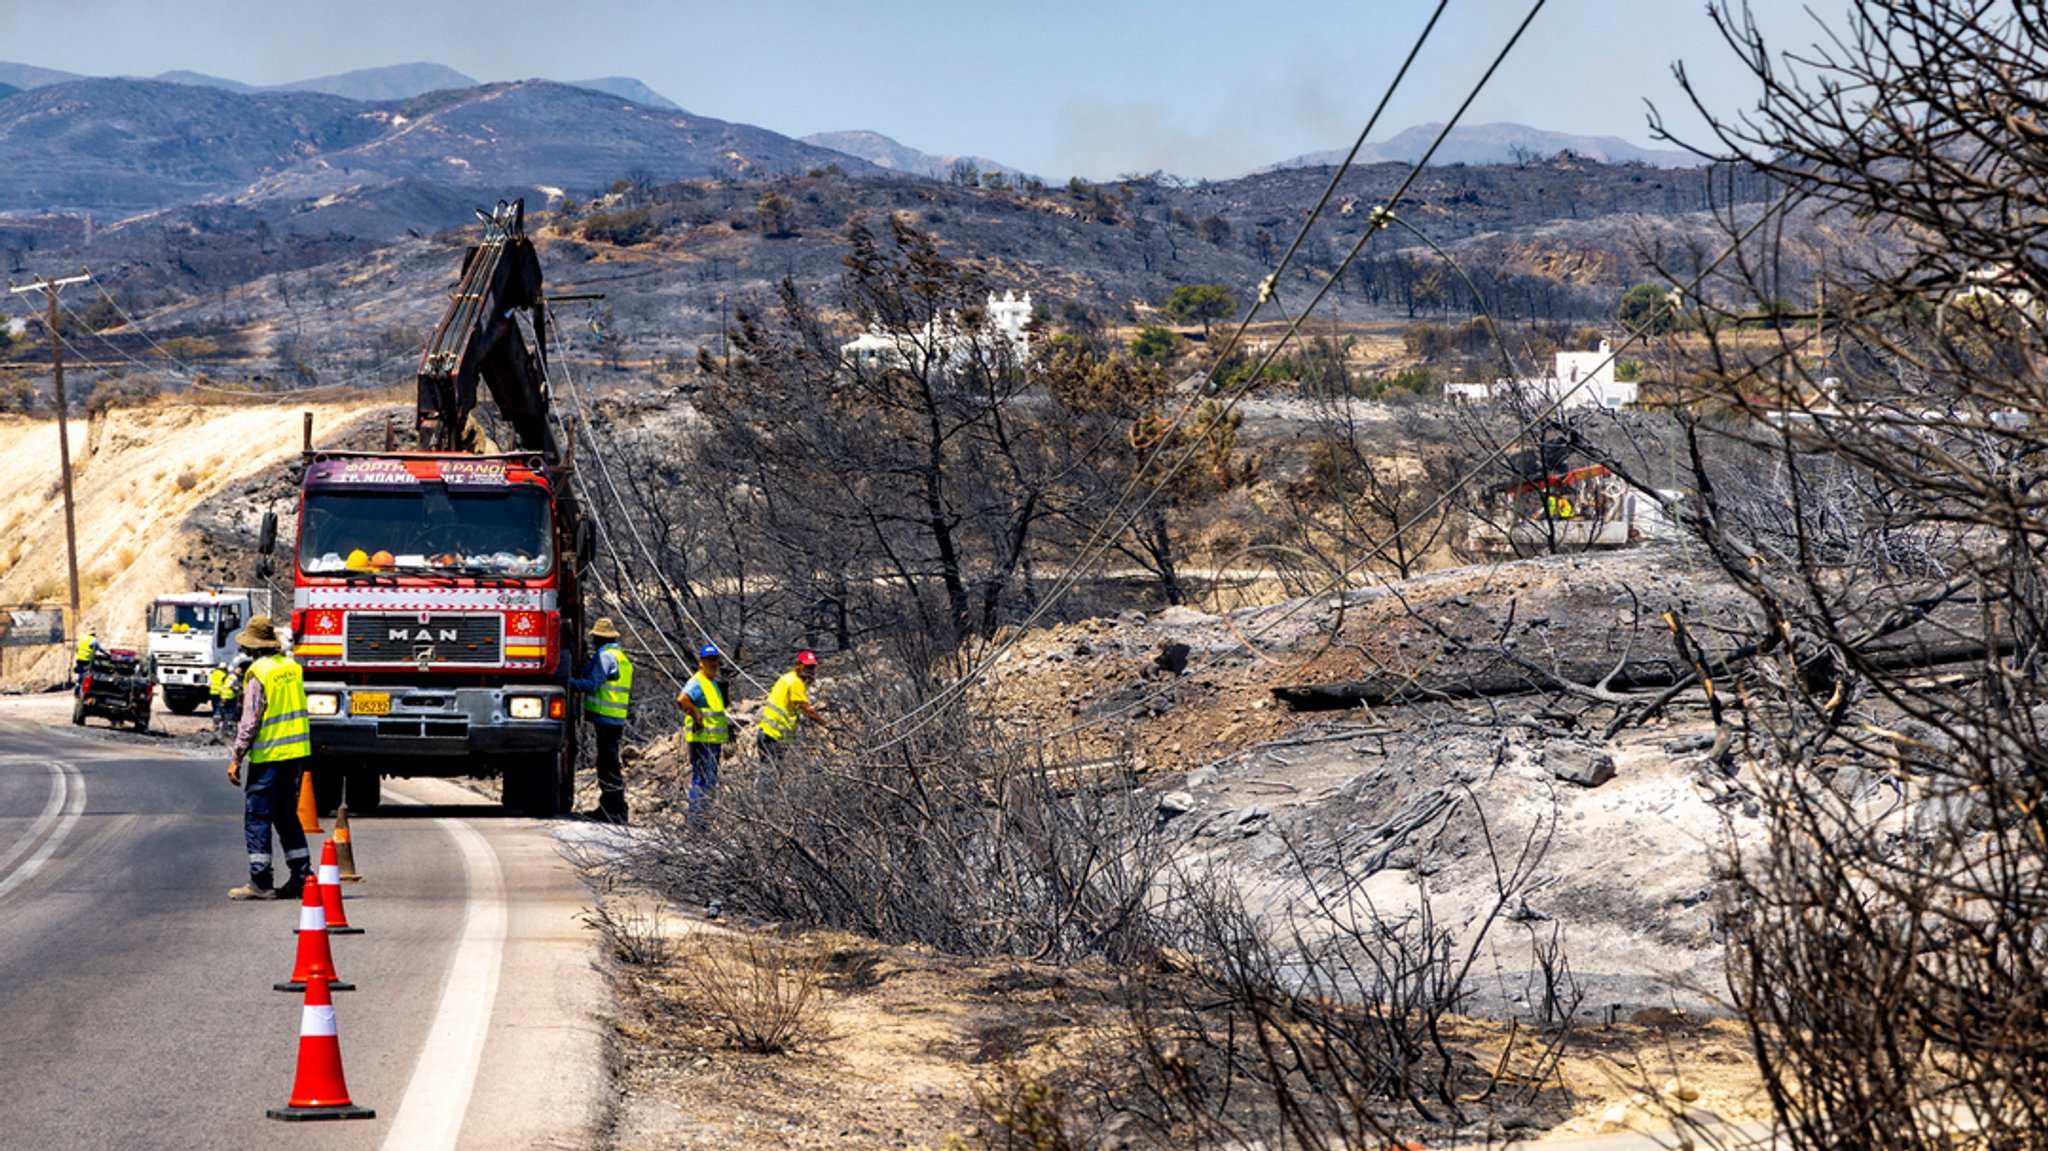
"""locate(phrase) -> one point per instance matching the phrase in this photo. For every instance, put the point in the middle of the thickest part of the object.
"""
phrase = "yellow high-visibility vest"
(780, 713)
(285, 732)
(611, 697)
(710, 726)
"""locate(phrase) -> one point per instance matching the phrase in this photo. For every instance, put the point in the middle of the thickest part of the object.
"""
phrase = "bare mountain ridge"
(392, 82)
(27, 76)
(1501, 143)
(538, 134)
(389, 82)
(120, 147)
(884, 152)
(1555, 242)
(124, 146)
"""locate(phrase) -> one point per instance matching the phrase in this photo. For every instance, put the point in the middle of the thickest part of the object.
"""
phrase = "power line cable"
(193, 373)
(1099, 543)
(604, 472)
(1343, 576)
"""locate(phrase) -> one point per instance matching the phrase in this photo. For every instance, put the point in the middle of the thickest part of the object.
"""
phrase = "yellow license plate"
(370, 703)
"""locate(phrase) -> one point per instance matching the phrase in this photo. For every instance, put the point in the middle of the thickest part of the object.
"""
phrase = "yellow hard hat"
(358, 560)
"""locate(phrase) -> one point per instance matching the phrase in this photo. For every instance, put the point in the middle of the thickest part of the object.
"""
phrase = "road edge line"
(436, 1099)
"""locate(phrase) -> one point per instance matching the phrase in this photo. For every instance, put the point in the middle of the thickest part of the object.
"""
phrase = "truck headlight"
(525, 706)
(322, 703)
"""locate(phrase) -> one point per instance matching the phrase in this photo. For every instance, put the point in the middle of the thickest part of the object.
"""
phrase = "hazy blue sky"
(1056, 87)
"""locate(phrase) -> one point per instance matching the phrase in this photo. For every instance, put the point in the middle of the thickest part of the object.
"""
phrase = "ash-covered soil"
(1427, 798)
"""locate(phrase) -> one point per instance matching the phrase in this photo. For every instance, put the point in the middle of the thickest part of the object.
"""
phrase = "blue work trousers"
(703, 776)
(272, 800)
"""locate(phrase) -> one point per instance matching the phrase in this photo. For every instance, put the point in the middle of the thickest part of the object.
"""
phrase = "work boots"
(250, 891)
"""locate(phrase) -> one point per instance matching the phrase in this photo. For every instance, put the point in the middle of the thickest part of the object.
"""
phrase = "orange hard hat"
(382, 560)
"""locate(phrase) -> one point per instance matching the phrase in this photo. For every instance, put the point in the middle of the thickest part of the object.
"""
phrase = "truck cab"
(427, 603)
(192, 632)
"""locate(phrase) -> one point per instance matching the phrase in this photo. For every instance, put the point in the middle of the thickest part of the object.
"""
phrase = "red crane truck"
(436, 601)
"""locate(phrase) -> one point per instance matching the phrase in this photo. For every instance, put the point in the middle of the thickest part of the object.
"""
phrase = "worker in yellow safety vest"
(217, 691)
(607, 687)
(788, 701)
(705, 726)
(275, 738)
(1558, 507)
(88, 642)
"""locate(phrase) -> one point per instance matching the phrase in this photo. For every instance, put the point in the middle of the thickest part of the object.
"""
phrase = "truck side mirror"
(266, 536)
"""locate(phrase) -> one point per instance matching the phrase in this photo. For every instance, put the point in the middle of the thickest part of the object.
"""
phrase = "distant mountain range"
(125, 147)
(1501, 143)
(883, 152)
(379, 152)
(392, 82)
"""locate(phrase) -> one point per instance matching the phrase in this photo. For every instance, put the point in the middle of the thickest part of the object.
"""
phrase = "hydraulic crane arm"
(479, 338)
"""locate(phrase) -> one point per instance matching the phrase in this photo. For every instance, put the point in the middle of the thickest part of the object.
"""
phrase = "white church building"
(1007, 328)
(1580, 380)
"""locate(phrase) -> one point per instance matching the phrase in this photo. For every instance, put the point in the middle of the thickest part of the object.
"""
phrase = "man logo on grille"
(422, 635)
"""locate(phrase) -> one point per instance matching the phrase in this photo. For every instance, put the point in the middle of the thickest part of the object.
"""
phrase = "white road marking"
(429, 1116)
(67, 803)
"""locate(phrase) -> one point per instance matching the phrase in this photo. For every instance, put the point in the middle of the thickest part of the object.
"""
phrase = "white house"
(1007, 328)
(1580, 379)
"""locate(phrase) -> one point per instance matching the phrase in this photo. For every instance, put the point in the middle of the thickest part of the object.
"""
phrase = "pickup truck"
(117, 687)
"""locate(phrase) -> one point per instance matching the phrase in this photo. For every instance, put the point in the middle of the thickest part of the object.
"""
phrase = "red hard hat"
(806, 659)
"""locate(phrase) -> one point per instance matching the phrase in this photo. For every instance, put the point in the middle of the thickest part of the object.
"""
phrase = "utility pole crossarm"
(46, 285)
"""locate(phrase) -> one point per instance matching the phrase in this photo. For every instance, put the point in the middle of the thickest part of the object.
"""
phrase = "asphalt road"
(136, 1007)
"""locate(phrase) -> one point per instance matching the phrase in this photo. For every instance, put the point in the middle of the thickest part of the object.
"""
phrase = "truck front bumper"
(455, 725)
(183, 675)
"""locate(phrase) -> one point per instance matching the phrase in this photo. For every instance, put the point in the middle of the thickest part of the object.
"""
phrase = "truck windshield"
(431, 530)
(180, 617)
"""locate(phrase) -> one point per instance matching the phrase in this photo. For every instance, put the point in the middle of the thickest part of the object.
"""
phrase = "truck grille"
(447, 638)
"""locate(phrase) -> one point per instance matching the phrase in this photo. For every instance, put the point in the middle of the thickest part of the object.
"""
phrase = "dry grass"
(1026, 1113)
(634, 936)
(759, 991)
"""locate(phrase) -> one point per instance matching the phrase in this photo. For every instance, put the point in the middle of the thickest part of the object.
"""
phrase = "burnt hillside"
(1558, 240)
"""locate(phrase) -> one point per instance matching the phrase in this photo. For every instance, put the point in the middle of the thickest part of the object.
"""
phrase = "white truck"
(192, 632)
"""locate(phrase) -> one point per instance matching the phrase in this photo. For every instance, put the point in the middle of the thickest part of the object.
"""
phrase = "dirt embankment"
(142, 478)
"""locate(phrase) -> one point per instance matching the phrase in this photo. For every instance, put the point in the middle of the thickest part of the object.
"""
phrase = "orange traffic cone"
(344, 848)
(309, 807)
(319, 1091)
(330, 894)
(316, 960)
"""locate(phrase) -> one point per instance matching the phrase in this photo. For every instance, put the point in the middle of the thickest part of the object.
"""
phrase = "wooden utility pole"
(49, 288)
